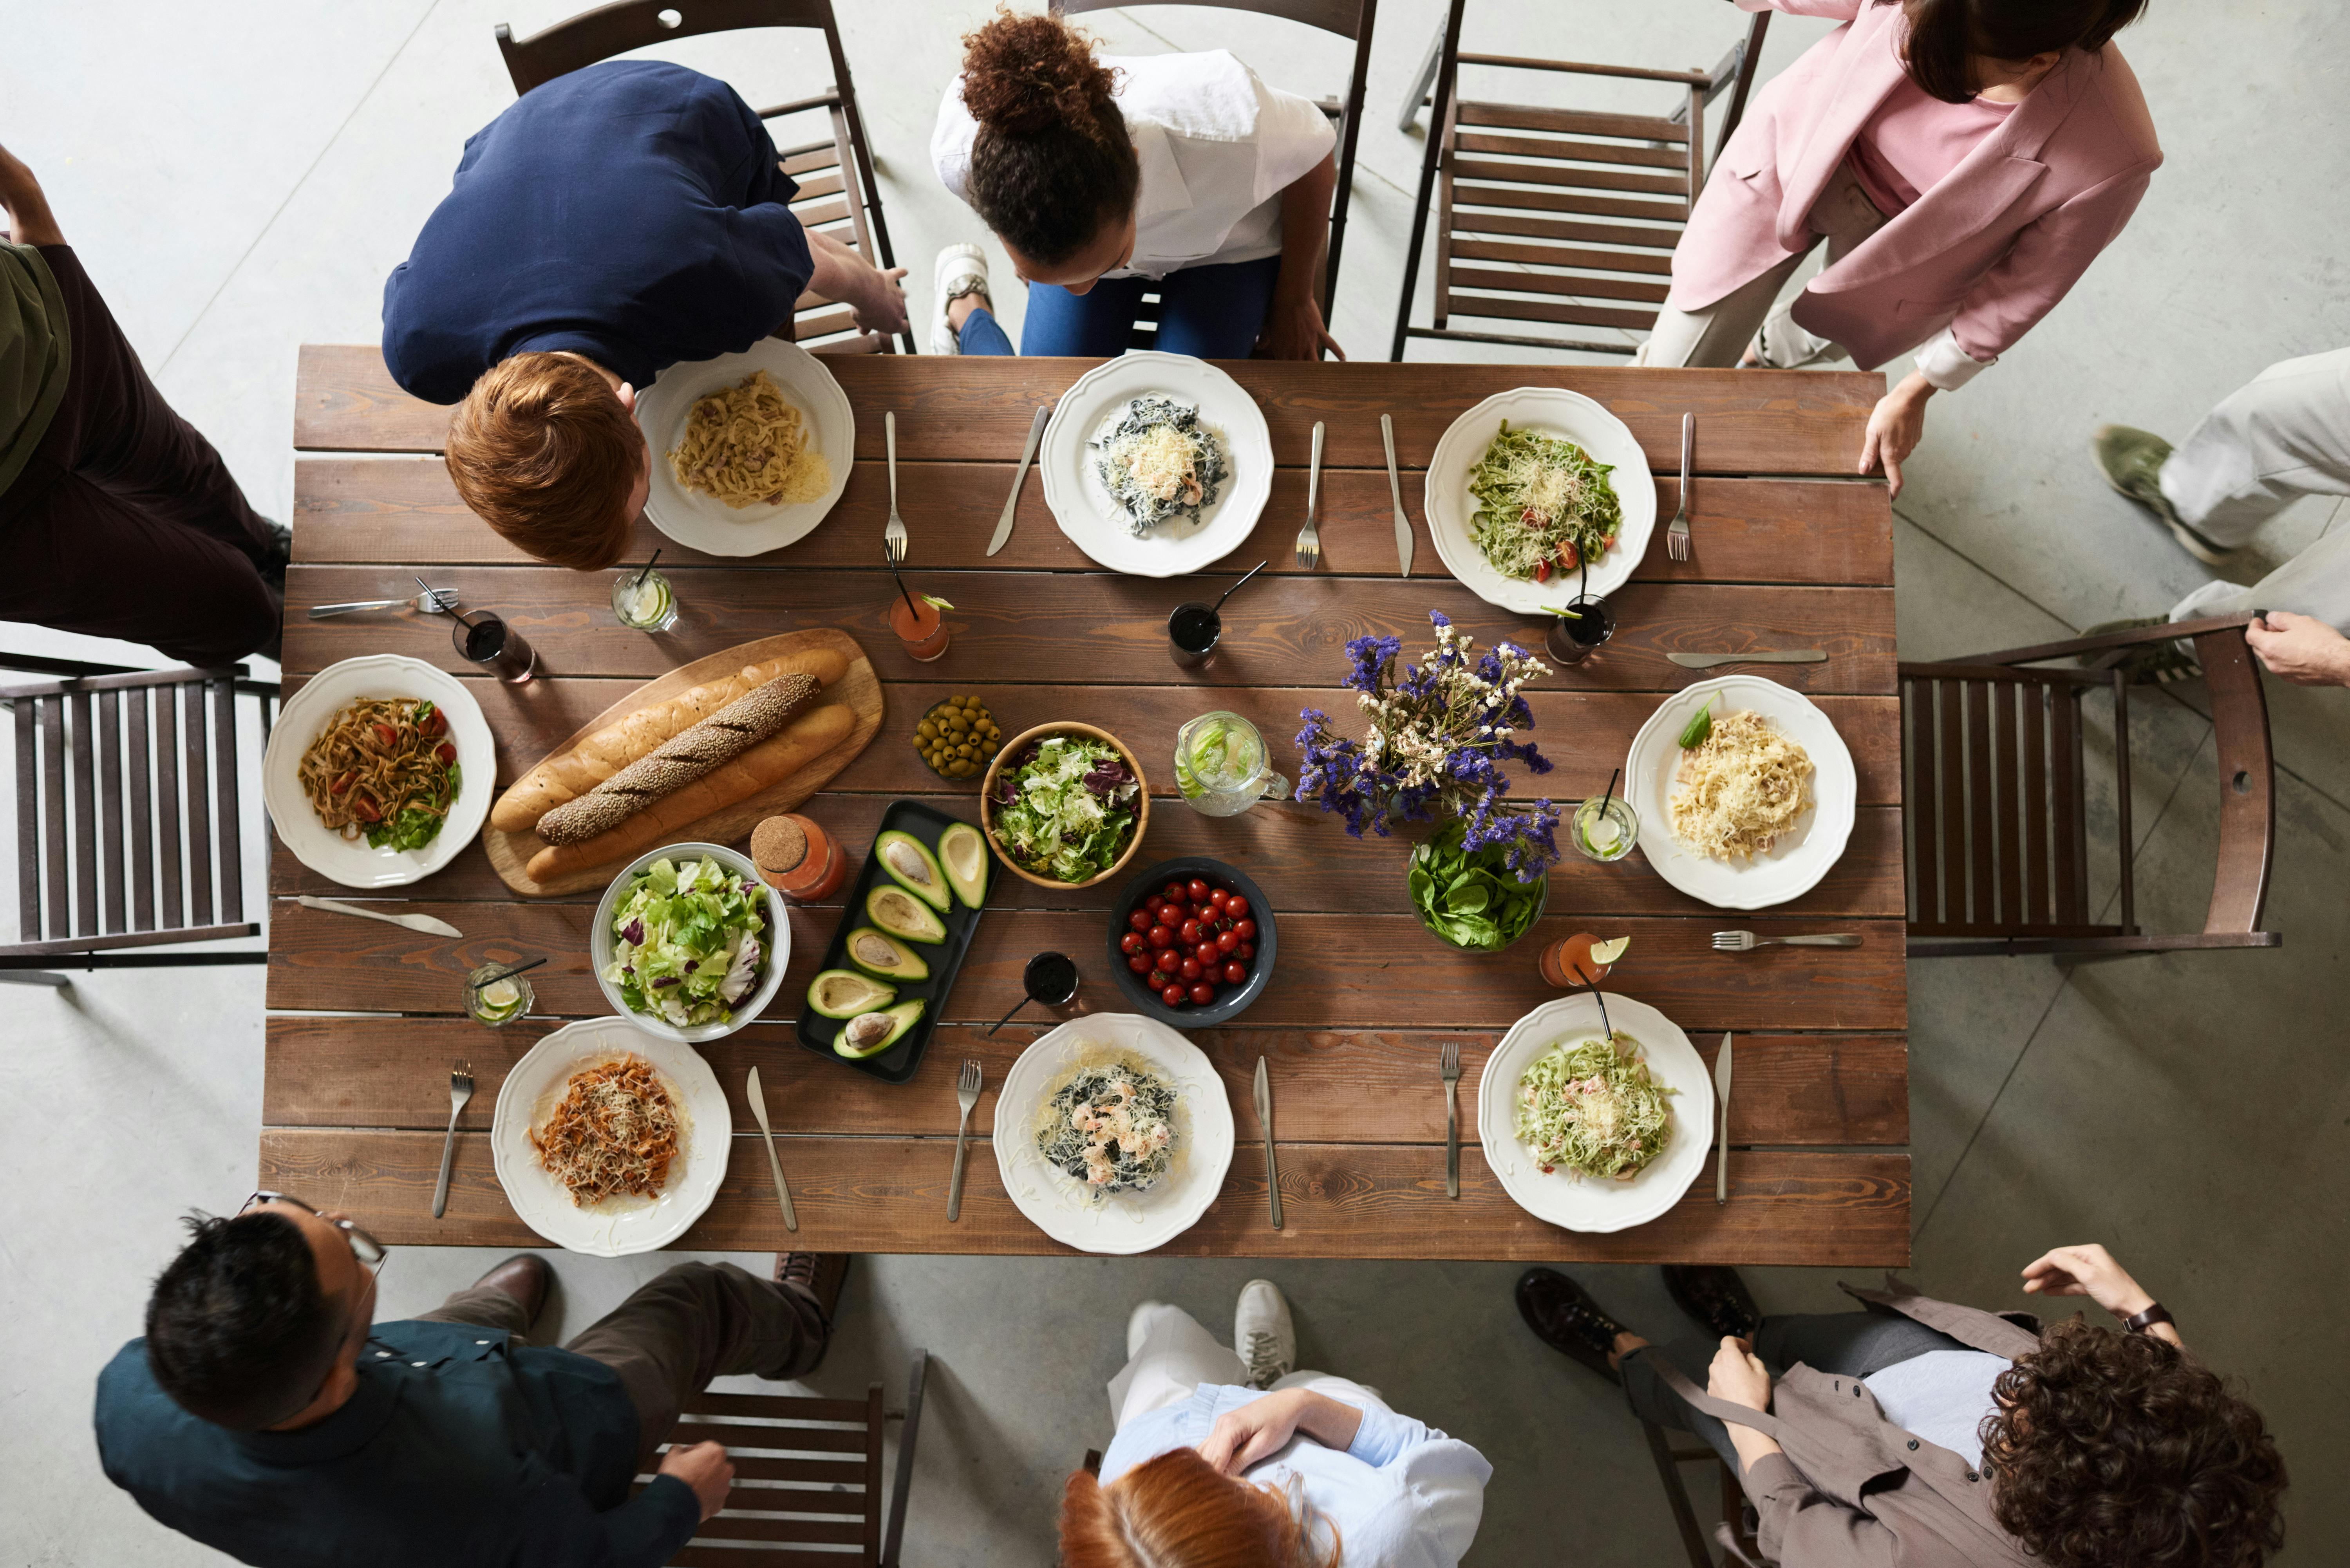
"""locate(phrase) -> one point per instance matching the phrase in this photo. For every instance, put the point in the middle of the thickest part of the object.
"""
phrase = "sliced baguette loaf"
(682, 759)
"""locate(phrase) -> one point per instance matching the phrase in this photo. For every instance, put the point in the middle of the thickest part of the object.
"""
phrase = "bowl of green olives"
(957, 738)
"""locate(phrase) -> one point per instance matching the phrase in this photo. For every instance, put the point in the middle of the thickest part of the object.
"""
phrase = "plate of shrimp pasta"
(749, 450)
(379, 771)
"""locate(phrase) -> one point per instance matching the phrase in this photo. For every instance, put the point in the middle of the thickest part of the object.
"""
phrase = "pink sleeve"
(1841, 10)
(2046, 260)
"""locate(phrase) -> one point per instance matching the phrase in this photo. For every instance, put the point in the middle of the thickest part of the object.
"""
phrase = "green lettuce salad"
(1471, 898)
(686, 941)
(1066, 808)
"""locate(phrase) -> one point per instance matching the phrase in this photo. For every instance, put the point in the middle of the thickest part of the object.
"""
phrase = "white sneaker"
(1138, 1325)
(1263, 1335)
(960, 270)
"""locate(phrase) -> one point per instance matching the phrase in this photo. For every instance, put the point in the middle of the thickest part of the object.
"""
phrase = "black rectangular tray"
(897, 1064)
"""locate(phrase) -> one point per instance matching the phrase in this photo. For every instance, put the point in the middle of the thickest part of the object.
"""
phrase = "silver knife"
(1012, 506)
(759, 1114)
(1394, 491)
(1265, 1120)
(1770, 656)
(424, 923)
(1722, 1152)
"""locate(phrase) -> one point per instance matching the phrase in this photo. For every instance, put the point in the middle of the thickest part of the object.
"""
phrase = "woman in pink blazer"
(1965, 161)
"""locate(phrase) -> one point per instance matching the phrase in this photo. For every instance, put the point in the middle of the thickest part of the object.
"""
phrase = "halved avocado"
(900, 914)
(870, 1033)
(964, 854)
(844, 993)
(876, 952)
(911, 864)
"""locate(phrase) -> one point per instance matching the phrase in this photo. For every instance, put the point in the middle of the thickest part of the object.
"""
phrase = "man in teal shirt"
(266, 1415)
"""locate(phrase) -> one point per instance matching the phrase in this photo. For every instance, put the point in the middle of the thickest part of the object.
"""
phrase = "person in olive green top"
(121, 520)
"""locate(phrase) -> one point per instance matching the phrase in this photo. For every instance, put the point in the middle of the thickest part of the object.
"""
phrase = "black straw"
(1229, 592)
(1611, 788)
(647, 572)
(1007, 1017)
(1603, 1004)
(909, 603)
(506, 974)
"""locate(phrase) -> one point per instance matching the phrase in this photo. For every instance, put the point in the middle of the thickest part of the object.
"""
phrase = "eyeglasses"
(364, 1247)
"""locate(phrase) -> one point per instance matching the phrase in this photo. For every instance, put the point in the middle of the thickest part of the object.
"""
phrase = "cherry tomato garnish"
(1132, 942)
(1235, 972)
(1139, 920)
(1191, 970)
(1172, 996)
(1190, 932)
(1236, 906)
(1244, 929)
(1209, 952)
(1199, 891)
(1203, 994)
(444, 753)
(1160, 937)
(1216, 896)
(432, 723)
(1168, 961)
(1227, 940)
(1154, 904)
(1245, 951)
(1174, 892)
(1139, 963)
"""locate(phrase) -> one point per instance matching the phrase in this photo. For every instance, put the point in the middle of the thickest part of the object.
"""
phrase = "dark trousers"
(1841, 1344)
(668, 1340)
(125, 522)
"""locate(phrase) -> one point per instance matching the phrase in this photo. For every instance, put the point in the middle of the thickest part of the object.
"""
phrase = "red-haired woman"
(1229, 1461)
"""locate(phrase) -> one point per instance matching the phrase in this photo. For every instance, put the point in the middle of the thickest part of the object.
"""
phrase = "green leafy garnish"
(1696, 733)
(1470, 899)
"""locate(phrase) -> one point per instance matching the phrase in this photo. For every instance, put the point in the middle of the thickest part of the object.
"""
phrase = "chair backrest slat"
(2007, 771)
(1979, 804)
(110, 790)
(1950, 701)
(142, 862)
(53, 812)
(198, 842)
(1350, 19)
(1918, 799)
(2240, 725)
(28, 822)
(82, 708)
(581, 41)
(2035, 703)
(224, 802)
(873, 1445)
(167, 803)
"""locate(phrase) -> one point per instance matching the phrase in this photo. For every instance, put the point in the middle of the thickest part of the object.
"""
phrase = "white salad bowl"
(603, 947)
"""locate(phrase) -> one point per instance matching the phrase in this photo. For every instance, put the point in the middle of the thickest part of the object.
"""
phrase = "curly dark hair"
(2111, 1449)
(1052, 165)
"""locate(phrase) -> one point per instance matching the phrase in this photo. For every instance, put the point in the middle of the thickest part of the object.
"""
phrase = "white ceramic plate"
(706, 523)
(1552, 411)
(1129, 1221)
(1792, 866)
(1096, 524)
(777, 936)
(1581, 1202)
(350, 860)
(618, 1226)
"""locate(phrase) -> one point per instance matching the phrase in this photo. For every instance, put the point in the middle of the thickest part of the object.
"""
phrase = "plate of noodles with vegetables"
(379, 771)
(749, 450)
(608, 1140)
(1537, 494)
(1596, 1118)
(1746, 793)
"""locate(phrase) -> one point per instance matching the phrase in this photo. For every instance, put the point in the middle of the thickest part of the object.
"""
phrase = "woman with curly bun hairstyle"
(1926, 1435)
(1105, 178)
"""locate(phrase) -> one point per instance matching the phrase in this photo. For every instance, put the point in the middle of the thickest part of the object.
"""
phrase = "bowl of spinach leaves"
(1468, 897)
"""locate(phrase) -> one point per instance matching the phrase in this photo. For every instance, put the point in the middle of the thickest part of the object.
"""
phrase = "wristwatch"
(2153, 1314)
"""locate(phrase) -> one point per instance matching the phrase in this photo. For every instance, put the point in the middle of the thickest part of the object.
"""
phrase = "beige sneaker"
(2131, 461)
(1264, 1333)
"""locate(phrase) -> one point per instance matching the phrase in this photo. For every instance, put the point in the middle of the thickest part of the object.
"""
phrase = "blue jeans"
(1211, 312)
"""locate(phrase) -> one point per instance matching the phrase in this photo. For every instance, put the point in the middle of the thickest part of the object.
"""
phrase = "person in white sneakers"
(2268, 444)
(1233, 1455)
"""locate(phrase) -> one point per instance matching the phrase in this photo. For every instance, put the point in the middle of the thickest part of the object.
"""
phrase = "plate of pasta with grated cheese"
(608, 1140)
(1756, 807)
(749, 450)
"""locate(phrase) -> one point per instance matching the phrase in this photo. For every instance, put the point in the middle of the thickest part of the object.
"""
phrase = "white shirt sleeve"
(1293, 135)
(1947, 366)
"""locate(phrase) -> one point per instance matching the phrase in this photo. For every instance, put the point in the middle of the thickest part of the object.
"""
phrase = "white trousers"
(1176, 1356)
(2284, 436)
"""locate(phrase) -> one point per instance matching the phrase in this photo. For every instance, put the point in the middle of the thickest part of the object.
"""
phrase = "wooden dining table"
(1789, 551)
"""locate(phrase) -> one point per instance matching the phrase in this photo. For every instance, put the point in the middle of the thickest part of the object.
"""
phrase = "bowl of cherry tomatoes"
(1191, 941)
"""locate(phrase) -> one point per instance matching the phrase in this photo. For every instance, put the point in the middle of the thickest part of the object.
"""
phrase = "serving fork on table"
(1676, 536)
(1746, 942)
(893, 537)
(461, 1089)
(432, 601)
(1309, 538)
(1448, 1062)
(967, 1094)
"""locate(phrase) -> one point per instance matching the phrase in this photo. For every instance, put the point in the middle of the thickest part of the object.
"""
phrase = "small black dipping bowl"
(1231, 1001)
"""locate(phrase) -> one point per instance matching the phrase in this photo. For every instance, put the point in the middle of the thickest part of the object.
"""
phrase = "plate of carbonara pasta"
(1757, 807)
(749, 450)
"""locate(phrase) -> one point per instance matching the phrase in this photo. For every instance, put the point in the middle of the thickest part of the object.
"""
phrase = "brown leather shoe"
(821, 1274)
(1565, 1317)
(526, 1277)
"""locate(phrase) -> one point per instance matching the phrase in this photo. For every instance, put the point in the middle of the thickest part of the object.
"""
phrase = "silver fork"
(1309, 538)
(967, 1092)
(432, 601)
(1449, 1062)
(1677, 538)
(893, 537)
(1746, 942)
(461, 1089)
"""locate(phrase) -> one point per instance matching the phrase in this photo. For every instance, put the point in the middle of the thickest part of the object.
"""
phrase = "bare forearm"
(1305, 230)
(30, 221)
(1329, 1422)
(1753, 1446)
(840, 272)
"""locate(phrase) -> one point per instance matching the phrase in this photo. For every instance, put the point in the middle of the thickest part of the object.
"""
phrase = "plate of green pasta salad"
(1156, 465)
(1113, 1133)
(1538, 494)
(1595, 1119)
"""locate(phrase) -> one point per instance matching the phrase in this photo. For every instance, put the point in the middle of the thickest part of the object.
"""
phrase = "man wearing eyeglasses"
(267, 1414)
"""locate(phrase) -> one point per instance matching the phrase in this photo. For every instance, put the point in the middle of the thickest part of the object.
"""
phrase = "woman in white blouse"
(1106, 177)
(1231, 1456)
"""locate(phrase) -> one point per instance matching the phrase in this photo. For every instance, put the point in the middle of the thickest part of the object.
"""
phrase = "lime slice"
(1600, 832)
(1608, 952)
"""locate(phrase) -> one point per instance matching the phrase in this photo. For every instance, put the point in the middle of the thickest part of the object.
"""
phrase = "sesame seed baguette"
(682, 759)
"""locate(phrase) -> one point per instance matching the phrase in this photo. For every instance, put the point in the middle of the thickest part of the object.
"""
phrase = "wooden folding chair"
(838, 194)
(1349, 19)
(1995, 812)
(807, 1478)
(1741, 1544)
(1573, 215)
(126, 834)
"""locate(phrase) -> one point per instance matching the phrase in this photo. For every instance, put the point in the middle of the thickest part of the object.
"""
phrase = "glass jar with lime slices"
(499, 1001)
(1221, 766)
(643, 600)
(1606, 827)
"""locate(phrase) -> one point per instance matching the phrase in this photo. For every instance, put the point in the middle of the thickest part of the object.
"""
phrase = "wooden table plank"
(1748, 421)
(1371, 971)
(404, 511)
(1369, 1086)
(889, 1195)
(1009, 628)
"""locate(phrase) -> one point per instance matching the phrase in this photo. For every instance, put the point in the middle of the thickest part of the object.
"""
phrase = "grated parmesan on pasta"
(1741, 789)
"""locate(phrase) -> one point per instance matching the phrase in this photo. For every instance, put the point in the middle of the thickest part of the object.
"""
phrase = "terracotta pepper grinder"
(799, 858)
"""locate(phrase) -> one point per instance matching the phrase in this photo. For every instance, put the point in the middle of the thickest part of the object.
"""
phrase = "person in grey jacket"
(1918, 1433)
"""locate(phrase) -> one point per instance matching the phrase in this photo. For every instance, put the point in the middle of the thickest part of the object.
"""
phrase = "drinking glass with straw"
(916, 619)
(1606, 825)
(496, 994)
(1581, 625)
(643, 599)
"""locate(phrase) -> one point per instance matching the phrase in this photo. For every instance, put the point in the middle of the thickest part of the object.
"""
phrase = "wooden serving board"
(509, 853)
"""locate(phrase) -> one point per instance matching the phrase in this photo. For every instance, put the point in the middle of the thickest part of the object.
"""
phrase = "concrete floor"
(239, 177)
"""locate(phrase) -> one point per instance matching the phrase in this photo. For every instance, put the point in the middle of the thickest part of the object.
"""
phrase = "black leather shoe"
(281, 554)
(1565, 1317)
(524, 1277)
(1715, 1299)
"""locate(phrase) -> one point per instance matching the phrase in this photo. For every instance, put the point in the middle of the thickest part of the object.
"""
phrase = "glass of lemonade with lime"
(644, 601)
(1221, 767)
(500, 1001)
(1606, 827)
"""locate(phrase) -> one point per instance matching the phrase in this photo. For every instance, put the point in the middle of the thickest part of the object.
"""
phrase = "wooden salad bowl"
(1012, 748)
